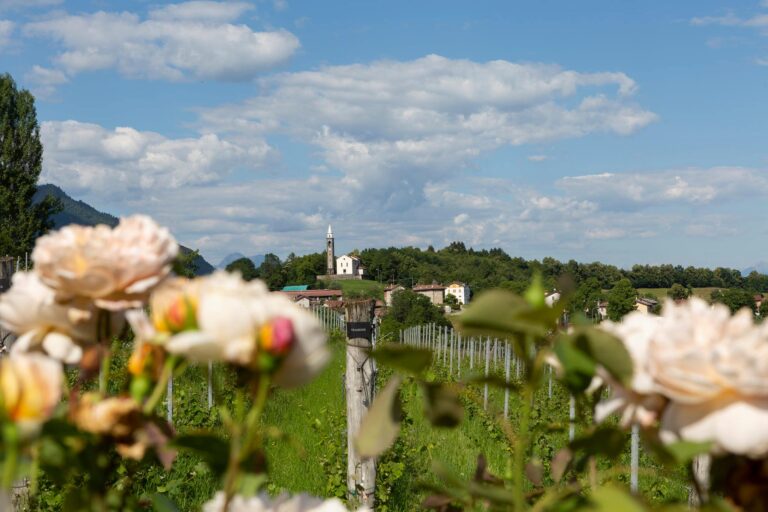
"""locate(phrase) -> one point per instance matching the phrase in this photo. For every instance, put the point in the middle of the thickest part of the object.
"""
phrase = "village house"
(390, 291)
(646, 305)
(551, 298)
(434, 292)
(458, 290)
(309, 298)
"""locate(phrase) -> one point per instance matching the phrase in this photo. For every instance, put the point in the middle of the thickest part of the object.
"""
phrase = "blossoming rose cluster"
(222, 318)
(701, 372)
(83, 280)
(79, 270)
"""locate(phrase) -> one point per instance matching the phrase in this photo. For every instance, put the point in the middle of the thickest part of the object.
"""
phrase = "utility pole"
(359, 388)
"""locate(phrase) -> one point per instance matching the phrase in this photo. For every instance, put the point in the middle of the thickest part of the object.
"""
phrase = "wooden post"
(634, 459)
(506, 378)
(359, 389)
(210, 384)
(487, 367)
(571, 418)
(701, 466)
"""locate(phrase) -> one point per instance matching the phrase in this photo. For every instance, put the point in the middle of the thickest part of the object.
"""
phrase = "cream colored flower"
(31, 386)
(640, 402)
(283, 503)
(114, 267)
(29, 309)
(714, 369)
(223, 318)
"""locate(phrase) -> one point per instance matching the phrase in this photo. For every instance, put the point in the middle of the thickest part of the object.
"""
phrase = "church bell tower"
(330, 254)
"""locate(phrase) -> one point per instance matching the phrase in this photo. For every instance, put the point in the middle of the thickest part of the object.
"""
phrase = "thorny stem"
(157, 393)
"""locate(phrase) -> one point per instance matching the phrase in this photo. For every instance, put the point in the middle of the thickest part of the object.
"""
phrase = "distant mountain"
(761, 267)
(257, 259)
(79, 212)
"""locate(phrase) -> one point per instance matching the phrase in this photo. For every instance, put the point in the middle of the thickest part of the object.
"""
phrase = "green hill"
(80, 212)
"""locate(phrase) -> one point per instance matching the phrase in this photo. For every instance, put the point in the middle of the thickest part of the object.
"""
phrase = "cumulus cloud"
(392, 127)
(88, 156)
(192, 40)
(537, 158)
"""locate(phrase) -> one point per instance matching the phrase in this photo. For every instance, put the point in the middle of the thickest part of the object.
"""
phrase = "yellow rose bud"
(31, 386)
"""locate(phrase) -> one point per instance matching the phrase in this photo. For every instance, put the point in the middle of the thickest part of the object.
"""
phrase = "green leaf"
(443, 407)
(381, 424)
(612, 499)
(685, 451)
(602, 440)
(534, 295)
(501, 313)
(162, 503)
(404, 358)
(213, 449)
(608, 351)
(578, 368)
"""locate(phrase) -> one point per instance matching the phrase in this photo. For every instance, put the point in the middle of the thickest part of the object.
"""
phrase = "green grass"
(310, 455)
(361, 287)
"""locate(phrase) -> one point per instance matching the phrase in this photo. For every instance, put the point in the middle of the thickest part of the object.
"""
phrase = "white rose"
(222, 318)
(283, 503)
(30, 310)
(714, 369)
(640, 402)
(114, 267)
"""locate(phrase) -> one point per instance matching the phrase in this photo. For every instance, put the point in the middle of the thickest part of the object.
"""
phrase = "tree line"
(494, 268)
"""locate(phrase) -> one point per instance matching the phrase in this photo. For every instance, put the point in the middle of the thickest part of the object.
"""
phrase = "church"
(344, 267)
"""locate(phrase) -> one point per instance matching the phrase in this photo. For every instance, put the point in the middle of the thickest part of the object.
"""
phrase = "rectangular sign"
(359, 330)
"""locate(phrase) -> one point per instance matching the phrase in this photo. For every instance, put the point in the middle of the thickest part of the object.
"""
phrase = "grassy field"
(310, 455)
(361, 287)
(661, 293)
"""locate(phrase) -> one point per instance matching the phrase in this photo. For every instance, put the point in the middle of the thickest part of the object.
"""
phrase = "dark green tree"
(679, 292)
(735, 299)
(272, 272)
(21, 156)
(587, 297)
(621, 300)
(184, 265)
(246, 268)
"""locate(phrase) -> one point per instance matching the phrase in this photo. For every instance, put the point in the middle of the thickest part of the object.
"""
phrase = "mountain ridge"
(79, 212)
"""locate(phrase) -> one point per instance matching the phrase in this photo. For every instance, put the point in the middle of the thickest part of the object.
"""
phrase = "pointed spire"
(330, 231)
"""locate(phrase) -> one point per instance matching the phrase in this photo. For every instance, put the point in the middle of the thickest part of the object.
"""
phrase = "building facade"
(390, 291)
(348, 266)
(458, 290)
(435, 292)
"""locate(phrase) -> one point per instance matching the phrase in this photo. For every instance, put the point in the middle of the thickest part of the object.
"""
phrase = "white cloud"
(192, 40)
(692, 186)
(6, 31)
(45, 80)
(87, 156)
(393, 127)
(538, 158)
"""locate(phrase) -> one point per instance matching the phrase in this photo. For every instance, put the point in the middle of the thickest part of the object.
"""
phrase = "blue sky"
(594, 130)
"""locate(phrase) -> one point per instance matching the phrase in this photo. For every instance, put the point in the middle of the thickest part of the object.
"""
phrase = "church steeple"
(330, 267)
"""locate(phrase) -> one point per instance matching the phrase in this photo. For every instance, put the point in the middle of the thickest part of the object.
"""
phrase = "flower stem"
(11, 437)
(246, 437)
(157, 393)
(521, 443)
